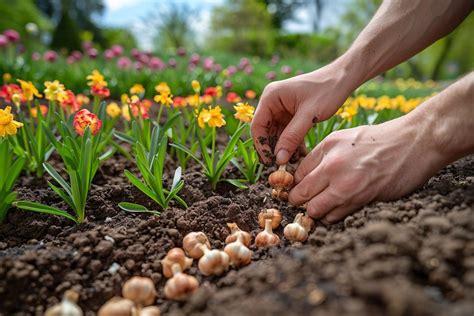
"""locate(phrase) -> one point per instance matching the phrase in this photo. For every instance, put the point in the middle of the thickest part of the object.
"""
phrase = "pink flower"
(86, 45)
(248, 70)
(227, 84)
(50, 56)
(232, 70)
(108, 54)
(138, 65)
(195, 58)
(286, 69)
(275, 59)
(3, 41)
(117, 49)
(70, 60)
(172, 62)
(217, 68)
(136, 53)
(181, 51)
(244, 62)
(124, 62)
(208, 63)
(76, 54)
(271, 75)
(12, 35)
(155, 63)
(92, 53)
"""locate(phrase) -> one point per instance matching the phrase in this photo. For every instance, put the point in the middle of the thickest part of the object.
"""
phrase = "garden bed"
(414, 256)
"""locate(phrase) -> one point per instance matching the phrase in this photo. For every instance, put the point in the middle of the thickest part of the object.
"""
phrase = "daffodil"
(163, 87)
(113, 110)
(8, 126)
(96, 79)
(348, 113)
(53, 90)
(244, 112)
(193, 100)
(213, 117)
(137, 89)
(164, 98)
(29, 90)
(196, 86)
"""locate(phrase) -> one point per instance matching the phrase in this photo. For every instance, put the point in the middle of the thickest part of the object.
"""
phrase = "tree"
(282, 11)
(66, 33)
(242, 26)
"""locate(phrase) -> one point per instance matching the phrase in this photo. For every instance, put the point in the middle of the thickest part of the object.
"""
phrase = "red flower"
(212, 91)
(83, 119)
(179, 102)
(7, 90)
(100, 91)
(232, 97)
(69, 102)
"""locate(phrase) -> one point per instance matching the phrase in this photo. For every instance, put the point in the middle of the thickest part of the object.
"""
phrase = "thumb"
(292, 137)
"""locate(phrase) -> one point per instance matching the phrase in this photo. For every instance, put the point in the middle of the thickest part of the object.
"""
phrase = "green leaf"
(142, 187)
(190, 153)
(236, 182)
(40, 208)
(176, 178)
(53, 173)
(136, 208)
(125, 138)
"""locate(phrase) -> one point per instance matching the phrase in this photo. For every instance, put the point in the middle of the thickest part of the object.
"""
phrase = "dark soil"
(414, 256)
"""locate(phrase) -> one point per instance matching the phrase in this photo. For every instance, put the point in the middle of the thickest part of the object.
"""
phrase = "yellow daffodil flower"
(244, 112)
(137, 89)
(213, 117)
(113, 110)
(29, 90)
(96, 79)
(8, 126)
(164, 98)
(196, 86)
(54, 90)
(163, 87)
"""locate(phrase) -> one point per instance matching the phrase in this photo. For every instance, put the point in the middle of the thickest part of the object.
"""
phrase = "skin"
(353, 167)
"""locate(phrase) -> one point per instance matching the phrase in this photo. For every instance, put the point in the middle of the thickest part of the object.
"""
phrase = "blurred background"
(300, 34)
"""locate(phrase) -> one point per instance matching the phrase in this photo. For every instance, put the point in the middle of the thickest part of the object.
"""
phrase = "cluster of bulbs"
(139, 292)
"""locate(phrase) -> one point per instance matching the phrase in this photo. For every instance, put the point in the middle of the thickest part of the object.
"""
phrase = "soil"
(413, 256)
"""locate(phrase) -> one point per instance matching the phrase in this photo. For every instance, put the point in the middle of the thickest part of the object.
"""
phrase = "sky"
(132, 14)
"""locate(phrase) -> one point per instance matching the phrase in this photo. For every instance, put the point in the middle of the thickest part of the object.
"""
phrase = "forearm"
(399, 30)
(446, 121)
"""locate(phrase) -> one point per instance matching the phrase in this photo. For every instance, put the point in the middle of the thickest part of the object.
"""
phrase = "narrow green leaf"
(40, 208)
(136, 208)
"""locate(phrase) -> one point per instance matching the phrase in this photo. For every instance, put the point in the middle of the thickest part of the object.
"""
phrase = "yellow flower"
(163, 87)
(7, 77)
(348, 113)
(164, 98)
(125, 99)
(244, 112)
(196, 86)
(366, 103)
(8, 126)
(113, 110)
(212, 117)
(219, 92)
(137, 89)
(96, 79)
(193, 100)
(29, 90)
(16, 99)
(54, 90)
(126, 112)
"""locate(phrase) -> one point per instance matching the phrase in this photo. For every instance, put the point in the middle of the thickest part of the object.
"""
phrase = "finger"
(261, 124)
(309, 163)
(339, 213)
(322, 204)
(309, 187)
(292, 137)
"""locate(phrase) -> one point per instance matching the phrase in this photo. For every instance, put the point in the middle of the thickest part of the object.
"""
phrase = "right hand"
(289, 108)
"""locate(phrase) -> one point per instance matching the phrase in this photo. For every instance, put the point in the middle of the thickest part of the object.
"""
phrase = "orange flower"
(43, 110)
(82, 99)
(232, 97)
(250, 94)
(84, 119)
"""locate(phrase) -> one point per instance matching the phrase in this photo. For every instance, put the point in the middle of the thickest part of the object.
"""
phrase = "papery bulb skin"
(281, 179)
(140, 290)
(236, 233)
(271, 213)
(239, 254)
(150, 311)
(117, 306)
(295, 232)
(214, 262)
(267, 238)
(192, 243)
(175, 256)
(180, 286)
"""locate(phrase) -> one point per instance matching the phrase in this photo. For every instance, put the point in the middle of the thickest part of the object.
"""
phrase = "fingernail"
(282, 157)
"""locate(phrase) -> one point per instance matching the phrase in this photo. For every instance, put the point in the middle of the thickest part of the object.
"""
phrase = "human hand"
(353, 167)
(289, 108)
